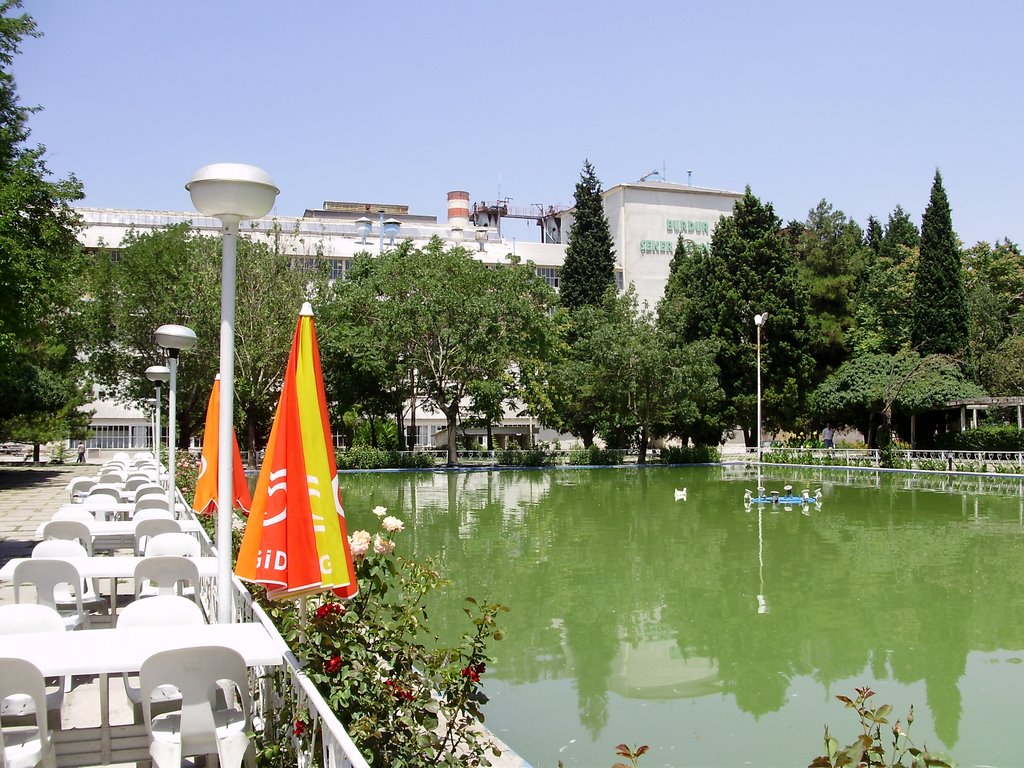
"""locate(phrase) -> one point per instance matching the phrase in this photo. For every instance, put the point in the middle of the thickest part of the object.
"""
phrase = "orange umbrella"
(296, 540)
(205, 500)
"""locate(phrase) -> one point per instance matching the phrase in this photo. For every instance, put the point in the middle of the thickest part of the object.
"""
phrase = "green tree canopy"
(994, 283)
(886, 289)
(173, 275)
(40, 263)
(642, 386)
(830, 257)
(715, 295)
(452, 319)
(869, 390)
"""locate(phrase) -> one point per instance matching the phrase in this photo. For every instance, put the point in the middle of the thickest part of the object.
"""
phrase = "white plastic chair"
(178, 544)
(74, 512)
(71, 530)
(167, 575)
(57, 584)
(101, 505)
(112, 476)
(156, 611)
(134, 482)
(150, 489)
(148, 528)
(17, 619)
(65, 549)
(22, 747)
(79, 487)
(142, 456)
(202, 726)
(112, 490)
(152, 502)
(152, 513)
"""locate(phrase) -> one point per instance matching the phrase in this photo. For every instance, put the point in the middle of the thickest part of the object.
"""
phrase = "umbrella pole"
(302, 619)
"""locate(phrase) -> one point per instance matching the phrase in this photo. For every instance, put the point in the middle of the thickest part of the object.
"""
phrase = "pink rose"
(392, 524)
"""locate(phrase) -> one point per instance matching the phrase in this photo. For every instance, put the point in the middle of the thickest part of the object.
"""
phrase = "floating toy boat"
(787, 497)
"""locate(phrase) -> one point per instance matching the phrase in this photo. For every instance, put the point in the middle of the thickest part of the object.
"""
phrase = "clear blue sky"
(400, 102)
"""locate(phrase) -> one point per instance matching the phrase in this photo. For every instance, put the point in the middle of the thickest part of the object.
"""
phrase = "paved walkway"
(29, 495)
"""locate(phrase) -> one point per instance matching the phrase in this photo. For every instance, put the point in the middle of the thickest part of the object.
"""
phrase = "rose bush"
(404, 699)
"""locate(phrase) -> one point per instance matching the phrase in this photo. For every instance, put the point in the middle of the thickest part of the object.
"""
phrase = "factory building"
(646, 218)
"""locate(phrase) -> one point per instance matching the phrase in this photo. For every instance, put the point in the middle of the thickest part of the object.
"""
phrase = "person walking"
(81, 453)
(828, 435)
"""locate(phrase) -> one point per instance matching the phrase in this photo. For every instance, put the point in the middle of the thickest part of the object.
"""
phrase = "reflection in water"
(717, 634)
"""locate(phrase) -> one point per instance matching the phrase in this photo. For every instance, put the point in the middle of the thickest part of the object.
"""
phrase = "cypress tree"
(940, 318)
(873, 235)
(589, 268)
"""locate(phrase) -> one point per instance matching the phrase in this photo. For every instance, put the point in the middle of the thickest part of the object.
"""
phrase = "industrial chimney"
(458, 210)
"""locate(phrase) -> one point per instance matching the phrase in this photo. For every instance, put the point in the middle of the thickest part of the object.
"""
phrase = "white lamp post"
(174, 339)
(158, 374)
(230, 192)
(758, 322)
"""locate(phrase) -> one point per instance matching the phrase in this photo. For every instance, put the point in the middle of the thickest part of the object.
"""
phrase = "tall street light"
(158, 374)
(231, 192)
(174, 339)
(758, 322)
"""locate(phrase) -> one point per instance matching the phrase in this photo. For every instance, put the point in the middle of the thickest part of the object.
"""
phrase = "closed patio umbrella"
(295, 540)
(205, 499)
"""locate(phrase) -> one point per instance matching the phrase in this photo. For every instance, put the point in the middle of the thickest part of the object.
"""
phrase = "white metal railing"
(1000, 462)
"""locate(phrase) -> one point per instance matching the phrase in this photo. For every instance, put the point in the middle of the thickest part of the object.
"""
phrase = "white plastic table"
(106, 652)
(123, 649)
(113, 568)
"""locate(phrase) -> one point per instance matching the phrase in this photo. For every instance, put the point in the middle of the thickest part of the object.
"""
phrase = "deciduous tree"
(40, 260)
(454, 320)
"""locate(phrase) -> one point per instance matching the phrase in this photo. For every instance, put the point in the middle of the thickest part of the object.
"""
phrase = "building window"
(111, 437)
(619, 284)
(339, 269)
(551, 274)
(305, 263)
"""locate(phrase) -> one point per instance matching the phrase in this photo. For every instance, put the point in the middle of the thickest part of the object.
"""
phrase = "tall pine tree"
(940, 322)
(589, 268)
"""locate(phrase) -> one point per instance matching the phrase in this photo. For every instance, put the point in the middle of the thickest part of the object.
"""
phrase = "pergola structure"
(975, 404)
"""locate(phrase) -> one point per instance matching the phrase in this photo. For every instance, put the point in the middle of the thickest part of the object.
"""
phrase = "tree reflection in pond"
(635, 617)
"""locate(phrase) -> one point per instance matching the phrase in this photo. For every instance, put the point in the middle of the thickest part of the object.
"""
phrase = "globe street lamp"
(231, 192)
(758, 322)
(173, 339)
(158, 374)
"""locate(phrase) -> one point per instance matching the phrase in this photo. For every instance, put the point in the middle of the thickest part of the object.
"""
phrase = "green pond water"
(717, 634)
